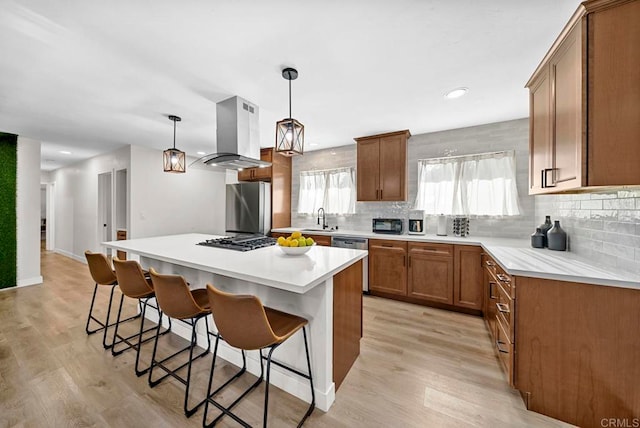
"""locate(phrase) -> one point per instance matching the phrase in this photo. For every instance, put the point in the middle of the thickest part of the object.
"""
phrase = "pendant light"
(174, 159)
(289, 132)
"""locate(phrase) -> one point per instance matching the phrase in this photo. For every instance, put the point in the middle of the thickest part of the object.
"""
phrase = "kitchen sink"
(317, 230)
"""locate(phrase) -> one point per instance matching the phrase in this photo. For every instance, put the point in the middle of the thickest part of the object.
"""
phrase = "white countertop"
(267, 266)
(516, 256)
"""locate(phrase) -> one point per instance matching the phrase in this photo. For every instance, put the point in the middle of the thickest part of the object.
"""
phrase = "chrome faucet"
(324, 219)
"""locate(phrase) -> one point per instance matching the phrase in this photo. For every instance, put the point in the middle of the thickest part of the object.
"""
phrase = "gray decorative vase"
(544, 228)
(557, 238)
(538, 239)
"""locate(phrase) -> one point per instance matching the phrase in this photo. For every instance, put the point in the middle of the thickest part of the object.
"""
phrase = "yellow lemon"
(296, 235)
(309, 242)
(302, 242)
(284, 243)
(288, 238)
(281, 240)
(293, 243)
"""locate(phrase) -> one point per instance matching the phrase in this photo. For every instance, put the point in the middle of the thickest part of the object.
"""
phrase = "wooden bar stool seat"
(246, 324)
(177, 301)
(102, 274)
(134, 284)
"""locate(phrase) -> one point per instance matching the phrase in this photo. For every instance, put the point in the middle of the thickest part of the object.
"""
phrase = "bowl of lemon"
(295, 244)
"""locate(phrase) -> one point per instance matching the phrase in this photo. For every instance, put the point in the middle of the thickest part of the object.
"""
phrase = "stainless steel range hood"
(238, 137)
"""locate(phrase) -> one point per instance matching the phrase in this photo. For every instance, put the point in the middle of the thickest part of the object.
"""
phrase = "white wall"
(76, 202)
(28, 211)
(164, 204)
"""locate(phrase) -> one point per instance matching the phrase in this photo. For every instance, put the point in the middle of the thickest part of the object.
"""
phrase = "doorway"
(105, 208)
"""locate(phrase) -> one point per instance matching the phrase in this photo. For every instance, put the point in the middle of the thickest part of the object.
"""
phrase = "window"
(333, 190)
(483, 185)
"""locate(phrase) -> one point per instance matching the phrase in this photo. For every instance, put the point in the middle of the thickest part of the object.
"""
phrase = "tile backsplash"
(510, 135)
(603, 226)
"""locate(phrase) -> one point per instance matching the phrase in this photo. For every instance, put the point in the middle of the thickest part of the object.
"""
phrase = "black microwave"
(387, 225)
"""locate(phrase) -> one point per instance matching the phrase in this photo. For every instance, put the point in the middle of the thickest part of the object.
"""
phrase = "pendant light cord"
(290, 116)
(174, 134)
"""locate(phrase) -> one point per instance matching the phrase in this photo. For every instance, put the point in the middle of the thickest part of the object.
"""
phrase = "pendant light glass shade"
(174, 160)
(289, 132)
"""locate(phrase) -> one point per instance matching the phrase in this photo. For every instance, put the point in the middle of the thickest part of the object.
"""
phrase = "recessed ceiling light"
(201, 153)
(456, 93)
(65, 152)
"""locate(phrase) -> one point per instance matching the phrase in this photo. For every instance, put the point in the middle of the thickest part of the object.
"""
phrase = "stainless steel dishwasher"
(355, 243)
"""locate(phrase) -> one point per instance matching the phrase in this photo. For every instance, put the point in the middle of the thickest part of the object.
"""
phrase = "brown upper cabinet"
(584, 109)
(258, 174)
(382, 167)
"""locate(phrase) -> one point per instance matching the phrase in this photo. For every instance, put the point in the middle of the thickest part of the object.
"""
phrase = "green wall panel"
(8, 226)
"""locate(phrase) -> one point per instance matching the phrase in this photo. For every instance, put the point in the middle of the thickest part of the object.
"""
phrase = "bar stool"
(177, 301)
(246, 324)
(134, 284)
(102, 274)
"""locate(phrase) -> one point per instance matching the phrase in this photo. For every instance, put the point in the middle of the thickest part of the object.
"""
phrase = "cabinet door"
(388, 267)
(539, 131)
(323, 240)
(246, 174)
(614, 91)
(431, 272)
(393, 167)
(468, 276)
(566, 78)
(280, 191)
(368, 167)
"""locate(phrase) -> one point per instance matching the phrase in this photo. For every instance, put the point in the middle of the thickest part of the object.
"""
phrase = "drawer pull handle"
(504, 278)
(503, 308)
(490, 264)
(491, 296)
(498, 343)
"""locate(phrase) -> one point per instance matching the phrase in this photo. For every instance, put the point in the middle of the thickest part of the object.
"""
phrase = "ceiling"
(90, 76)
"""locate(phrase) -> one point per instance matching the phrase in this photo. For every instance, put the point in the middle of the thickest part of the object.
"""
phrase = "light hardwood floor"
(419, 367)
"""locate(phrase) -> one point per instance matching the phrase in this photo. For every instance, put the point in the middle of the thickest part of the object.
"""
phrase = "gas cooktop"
(240, 242)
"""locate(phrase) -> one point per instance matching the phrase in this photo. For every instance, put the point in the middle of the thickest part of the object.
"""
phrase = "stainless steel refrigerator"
(249, 208)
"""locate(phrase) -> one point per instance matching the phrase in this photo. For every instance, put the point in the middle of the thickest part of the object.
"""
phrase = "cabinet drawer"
(387, 243)
(489, 264)
(432, 249)
(504, 348)
(504, 309)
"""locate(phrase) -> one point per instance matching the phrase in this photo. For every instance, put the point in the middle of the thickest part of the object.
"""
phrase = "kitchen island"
(323, 285)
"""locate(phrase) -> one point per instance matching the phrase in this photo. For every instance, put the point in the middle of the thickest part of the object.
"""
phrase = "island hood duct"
(238, 137)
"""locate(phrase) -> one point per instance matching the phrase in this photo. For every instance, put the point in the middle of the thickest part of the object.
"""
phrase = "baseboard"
(81, 259)
(30, 281)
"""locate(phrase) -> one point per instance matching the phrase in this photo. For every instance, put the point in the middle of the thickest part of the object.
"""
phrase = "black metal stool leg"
(93, 300)
(153, 354)
(313, 394)
(266, 385)
(106, 323)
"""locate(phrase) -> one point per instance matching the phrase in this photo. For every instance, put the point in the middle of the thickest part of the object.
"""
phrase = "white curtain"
(474, 185)
(334, 190)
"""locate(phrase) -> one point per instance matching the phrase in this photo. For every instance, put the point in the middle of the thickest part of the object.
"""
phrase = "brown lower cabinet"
(443, 275)
(431, 272)
(571, 349)
(388, 267)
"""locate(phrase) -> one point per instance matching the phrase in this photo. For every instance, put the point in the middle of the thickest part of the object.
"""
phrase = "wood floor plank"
(418, 367)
